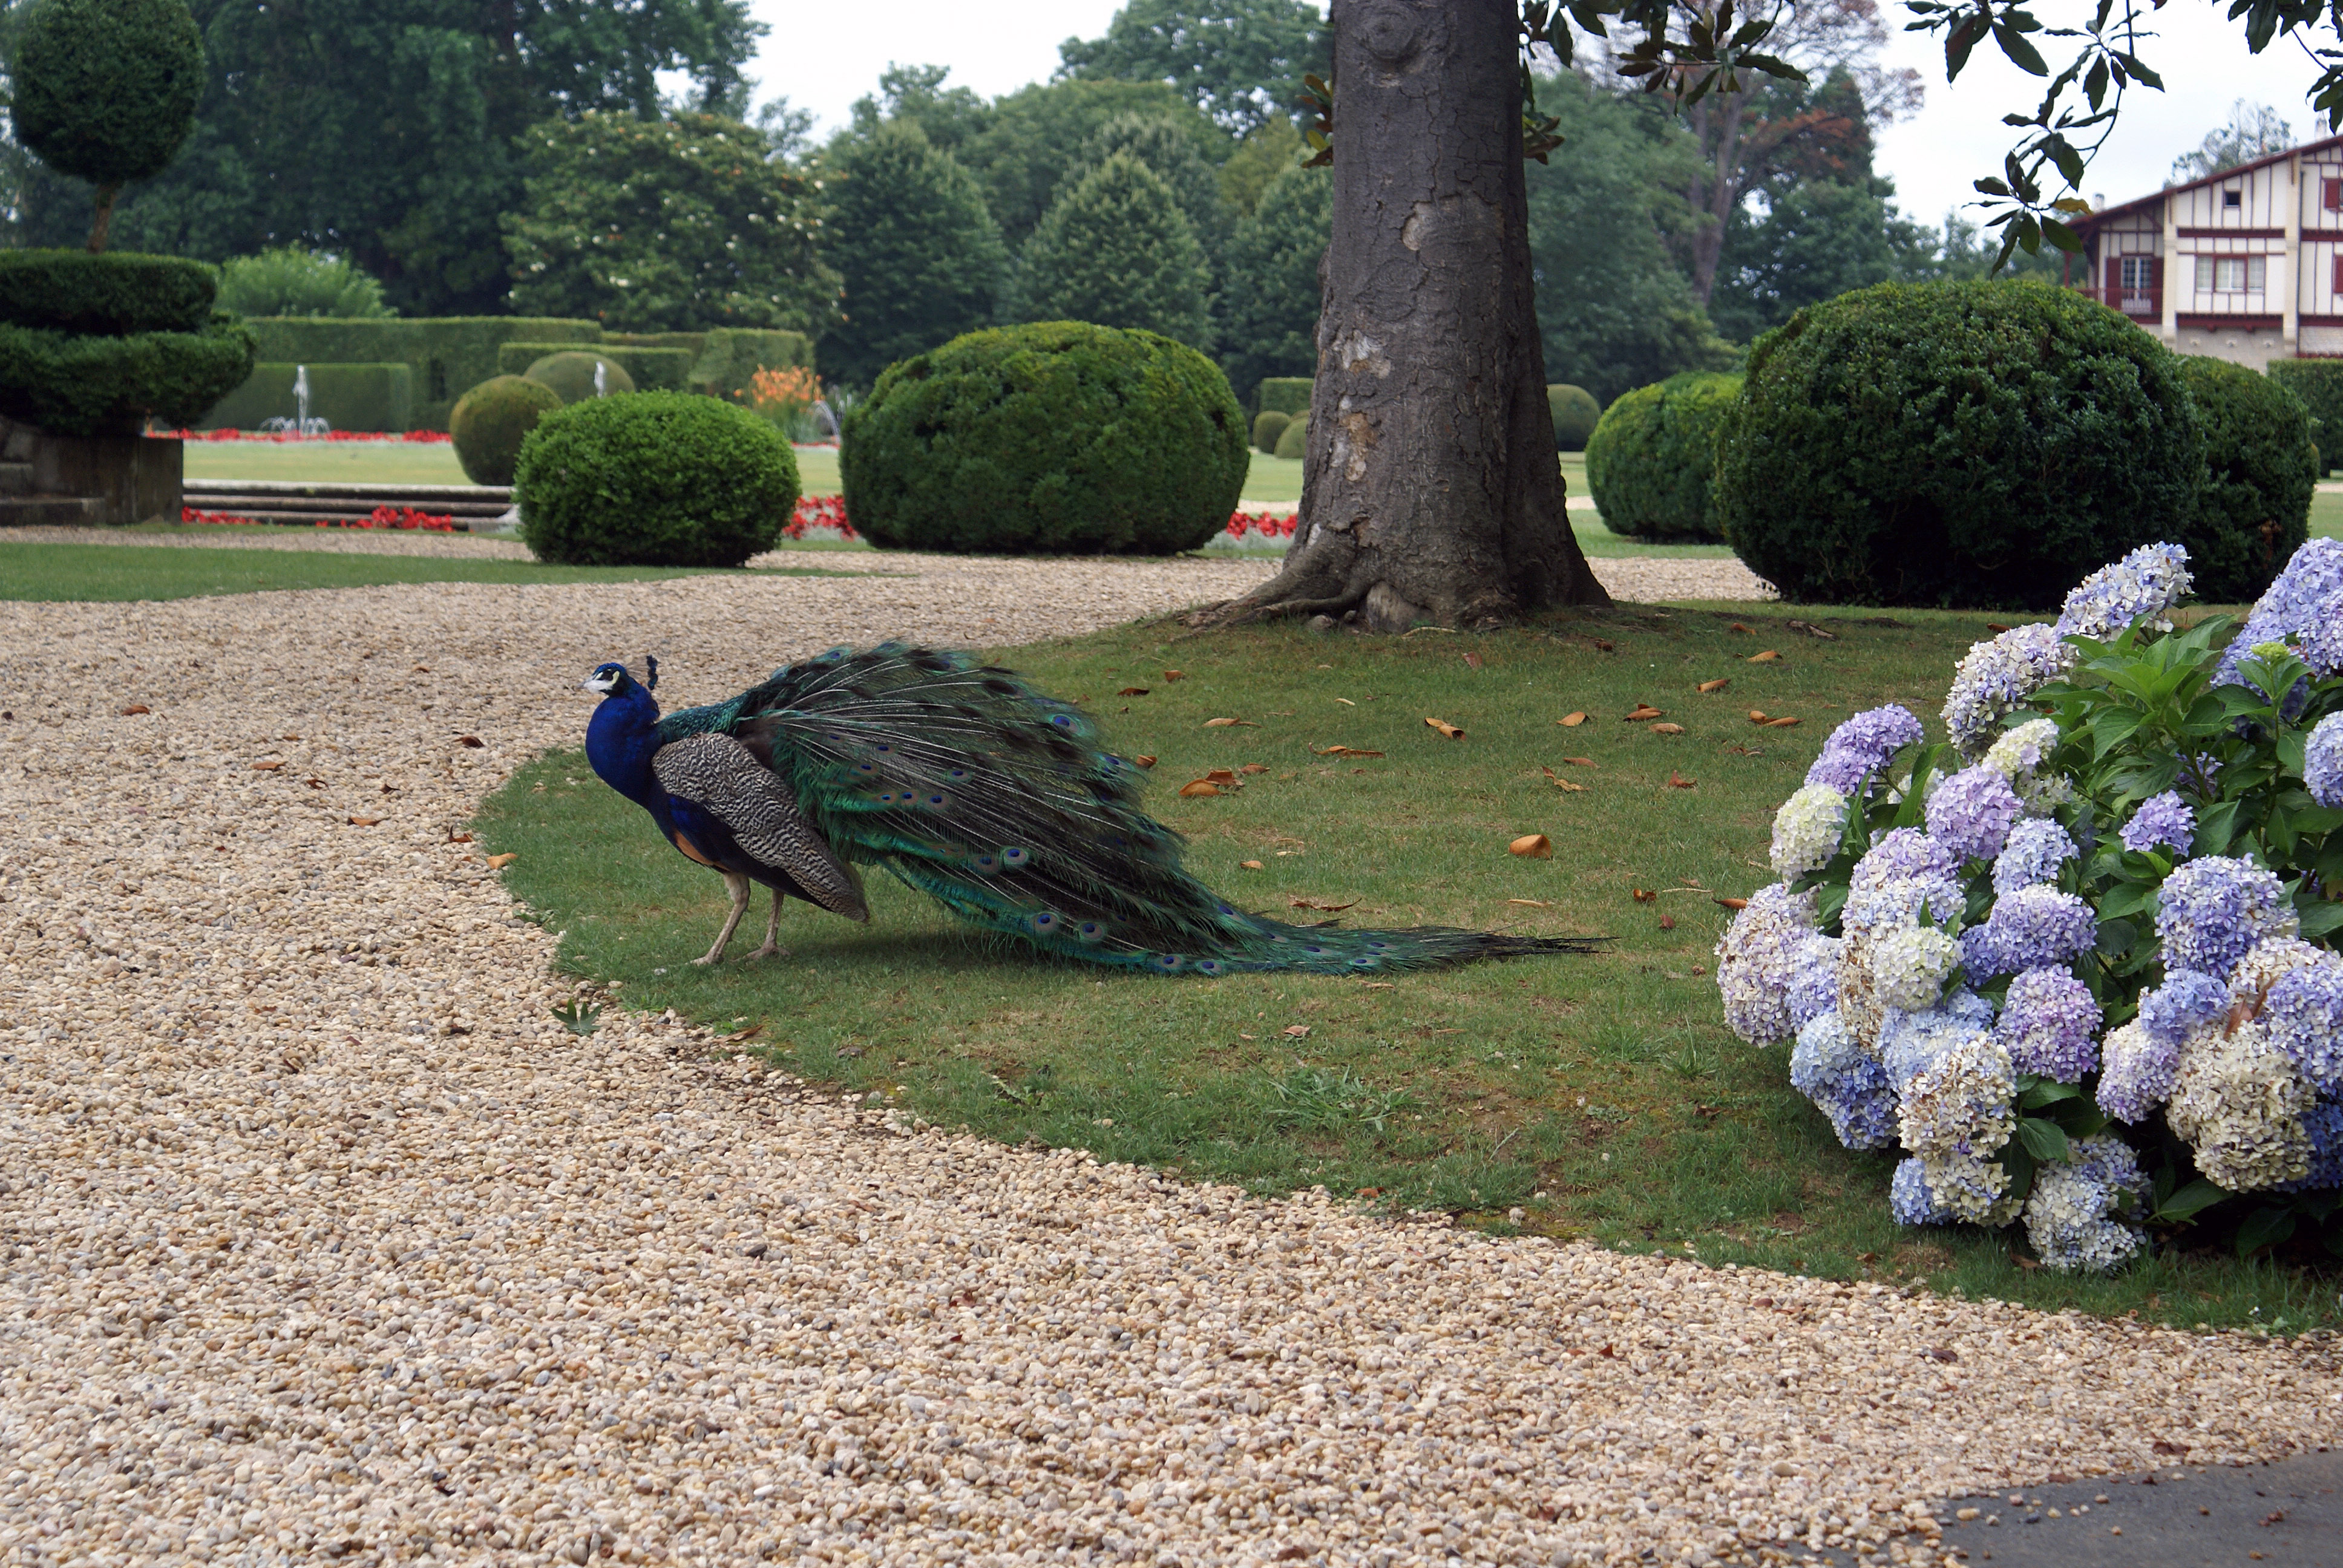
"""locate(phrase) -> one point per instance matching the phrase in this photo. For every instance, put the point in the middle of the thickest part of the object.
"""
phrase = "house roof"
(2084, 225)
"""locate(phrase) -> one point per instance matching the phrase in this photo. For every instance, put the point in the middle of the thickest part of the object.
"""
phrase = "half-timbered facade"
(2244, 264)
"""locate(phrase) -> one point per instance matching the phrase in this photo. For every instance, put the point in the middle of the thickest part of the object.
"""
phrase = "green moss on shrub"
(2261, 469)
(1653, 454)
(654, 480)
(1056, 437)
(1981, 444)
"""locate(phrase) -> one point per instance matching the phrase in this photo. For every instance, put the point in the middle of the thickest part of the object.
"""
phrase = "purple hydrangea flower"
(2322, 761)
(2140, 587)
(2305, 602)
(2184, 1000)
(1757, 961)
(2163, 818)
(2324, 1122)
(1995, 678)
(2030, 857)
(2215, 908)
(1830, 1068)
(1910, 1044)
(1909, 1199)
(1903, 854)
(1814, 980)
(1971, 815)
(2303, 1015)
(1862, 745)
(2047, 1022)
(2199, 771)
(2136, 1073)
(2032, 928)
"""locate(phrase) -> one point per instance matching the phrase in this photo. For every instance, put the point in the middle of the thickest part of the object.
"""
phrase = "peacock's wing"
(722, 777)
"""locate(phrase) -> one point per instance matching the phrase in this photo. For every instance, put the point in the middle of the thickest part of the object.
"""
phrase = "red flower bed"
(1268, 524)
(383, 517)
(424, 437)
(818, 512)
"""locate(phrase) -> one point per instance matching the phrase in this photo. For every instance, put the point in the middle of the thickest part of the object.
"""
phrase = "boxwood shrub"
(108, 294)
(1652, 454)
(2261, 467)
(1294, 441)
(2320, 384)
(658, 479)
(75, 384)
(1267, 426)
(1054, 437)
(490, 422)
(1974, 443)
(1574, 412)
(570, 372)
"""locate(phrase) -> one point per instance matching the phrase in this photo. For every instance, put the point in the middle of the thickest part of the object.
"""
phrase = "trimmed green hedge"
(449, 354)
(659, 479)
(1963, 444)
(1054, 437)
(345, 397)
(109, 295)
(1574, 412)
(726, 359)
(2261, 469)
(1267, 426)
(1652, 457)
(492, 420)
(75, 385)
(2320, 384)
(647, 369)
(1288, 394)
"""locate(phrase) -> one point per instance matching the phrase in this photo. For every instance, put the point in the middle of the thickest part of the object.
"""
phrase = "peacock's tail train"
(999, 802)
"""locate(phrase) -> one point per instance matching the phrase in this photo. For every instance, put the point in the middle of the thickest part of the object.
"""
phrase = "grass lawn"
(110, 573)
(328, 462)
(1603, 1095)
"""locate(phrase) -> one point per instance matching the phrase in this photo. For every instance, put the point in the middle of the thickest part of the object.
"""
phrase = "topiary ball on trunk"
(1054, 438)
(1267, 426)
(654, 480)
(570, 374)
(1574, 412)
(1652, 456)
(491, 420)
(2260, 470)
(105, 90)
(1966, 445)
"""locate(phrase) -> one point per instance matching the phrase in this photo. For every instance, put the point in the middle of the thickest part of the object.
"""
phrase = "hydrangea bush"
(2075, 960)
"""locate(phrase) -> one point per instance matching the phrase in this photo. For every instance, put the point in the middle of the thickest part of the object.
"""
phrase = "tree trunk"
(1718, 189)
(1430, 490)
(105, 194)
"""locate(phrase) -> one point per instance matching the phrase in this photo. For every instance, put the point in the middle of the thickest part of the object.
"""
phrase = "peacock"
(966, 784)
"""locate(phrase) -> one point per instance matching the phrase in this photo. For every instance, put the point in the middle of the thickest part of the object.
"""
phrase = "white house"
(2243, 264)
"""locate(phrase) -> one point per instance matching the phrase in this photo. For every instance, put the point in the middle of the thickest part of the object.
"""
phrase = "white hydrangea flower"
(2237, 1101)
(1972, 1189)
(1807, 831)
(1959, 1105)
(1909, 967)
(2070, 1215)
(2019, 754)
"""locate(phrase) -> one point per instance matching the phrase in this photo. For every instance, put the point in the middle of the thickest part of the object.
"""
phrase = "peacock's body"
(964, 782)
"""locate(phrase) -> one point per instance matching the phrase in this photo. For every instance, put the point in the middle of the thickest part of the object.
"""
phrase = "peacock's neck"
(620, 741)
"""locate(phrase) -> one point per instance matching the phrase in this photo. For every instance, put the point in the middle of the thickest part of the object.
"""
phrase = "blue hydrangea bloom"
(1912, 1042)
(2324, 1122)
(2047, 1023)
(1830, 1068)
(2322, 761)
(2136, 1073)
(2032, 928)
(1971, 815)
(1902, 855)
(1909, 1199)
(1995, 678)
(2142, 586)
(2303, 1015)
(2215, 908)
(2305, 602)
(1814, 980)
(2030, 857)
(2070, 1217)
(2164, 820)
(1862, 745)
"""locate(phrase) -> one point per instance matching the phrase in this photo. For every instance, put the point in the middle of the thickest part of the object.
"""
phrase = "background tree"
(106, 91)
(1038, 133)
(1268, 304)
(947, 116)
(2254, 131)
(1239, 61)
(289, 281)
(666, 226)
(1165, 146)
(386, 130)
(1268, 151)
(920, 257)
(1117, 251)
(1613, 310)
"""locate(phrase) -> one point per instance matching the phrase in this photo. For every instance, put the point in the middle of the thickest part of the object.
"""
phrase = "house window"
(2338, 275)
(2239, 274)
(2137, 274)
(2330, 194)
(2232, 198)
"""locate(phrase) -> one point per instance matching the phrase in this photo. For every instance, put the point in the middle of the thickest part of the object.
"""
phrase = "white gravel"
(319, 1240)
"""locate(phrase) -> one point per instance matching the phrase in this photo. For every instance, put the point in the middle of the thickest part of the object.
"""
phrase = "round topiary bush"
(1973, 445)
(1049, 438)
(570, 374)
(78, 383)
(657, 479)
(105, 90)
(108, 295)
(2261, 469)
(1267, 426)
(1574, 412)
(491, 421)
(1652, 454)
(1294, 441)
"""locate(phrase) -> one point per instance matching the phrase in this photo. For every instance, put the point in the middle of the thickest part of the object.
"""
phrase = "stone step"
(51, 511)
(416, 495)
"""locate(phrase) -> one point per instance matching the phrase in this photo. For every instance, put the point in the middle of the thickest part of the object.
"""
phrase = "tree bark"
(1430, 490)
(106, 196)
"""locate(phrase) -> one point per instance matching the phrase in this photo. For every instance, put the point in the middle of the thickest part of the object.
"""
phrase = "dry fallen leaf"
(1768, 657)
(1571, 720)
(1346, 702)
(1735, 903)
(1229, 723)
(1321, 908)
(1644, 711)
(1448, 731)
(1995, 626)
(499, 862)
(364, 821)
(1197, 786)
(1811, 630)
(1533, 903)
(1667, 922)
(135, 708)
(422, 669)
(1226, 778)
(459, 838)
(1668, 729)
(1145, 761)
(1532, 847)
(315, 783)
(1678, 781)
(1172, 674)
(1606, 647)
(1646, 896)
(267, 766)
(1566, 784)
(1736, 626)
(1252, 767)
(1472, 661)
(1711, 686)
(1580, 761)
(1249, 865)
(1782, 723)
(474, 741)
(1345, 751)
(1132, 691)
(1297, 1032)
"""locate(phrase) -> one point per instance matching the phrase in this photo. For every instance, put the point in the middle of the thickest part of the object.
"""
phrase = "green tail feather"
(1000, 803)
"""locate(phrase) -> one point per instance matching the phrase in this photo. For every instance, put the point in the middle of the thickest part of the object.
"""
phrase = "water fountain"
(601, 380)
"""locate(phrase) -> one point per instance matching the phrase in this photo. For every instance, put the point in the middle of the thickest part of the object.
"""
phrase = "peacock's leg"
(772, 949)
(740, 886)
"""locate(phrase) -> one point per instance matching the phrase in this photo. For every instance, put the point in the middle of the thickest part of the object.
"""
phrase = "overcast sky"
(823, 55)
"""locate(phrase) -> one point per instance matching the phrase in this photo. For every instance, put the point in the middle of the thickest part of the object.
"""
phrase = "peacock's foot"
(770, 950)
(707, 959)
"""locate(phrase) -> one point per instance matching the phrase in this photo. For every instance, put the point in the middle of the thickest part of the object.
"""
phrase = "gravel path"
(319, 1240)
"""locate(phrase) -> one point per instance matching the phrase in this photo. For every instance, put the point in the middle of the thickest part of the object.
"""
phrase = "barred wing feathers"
(724, 778)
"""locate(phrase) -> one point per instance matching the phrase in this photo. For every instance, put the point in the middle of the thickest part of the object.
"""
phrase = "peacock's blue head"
(611, 679)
